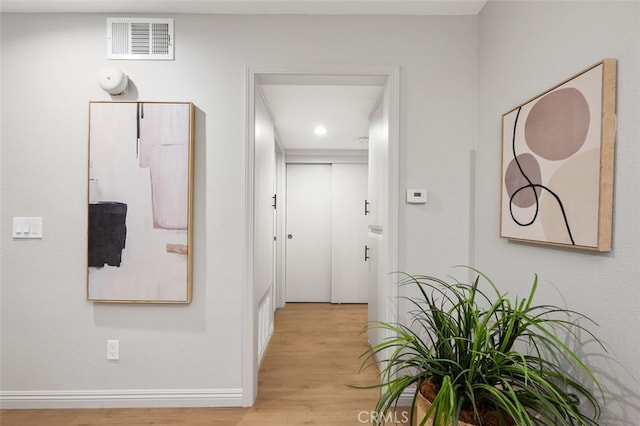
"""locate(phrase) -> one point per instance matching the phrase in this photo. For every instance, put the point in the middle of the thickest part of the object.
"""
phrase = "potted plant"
(474, 356)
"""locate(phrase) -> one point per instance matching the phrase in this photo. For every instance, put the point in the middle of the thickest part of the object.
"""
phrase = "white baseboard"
(122, 398)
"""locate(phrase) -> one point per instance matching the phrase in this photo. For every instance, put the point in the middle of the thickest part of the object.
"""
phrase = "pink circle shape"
(557, 125)
(518, 184)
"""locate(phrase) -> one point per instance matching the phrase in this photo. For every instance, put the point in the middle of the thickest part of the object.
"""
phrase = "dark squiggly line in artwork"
(139, 116)
(533, 187)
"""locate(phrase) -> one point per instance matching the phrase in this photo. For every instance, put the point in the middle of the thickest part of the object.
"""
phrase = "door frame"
(250, 359)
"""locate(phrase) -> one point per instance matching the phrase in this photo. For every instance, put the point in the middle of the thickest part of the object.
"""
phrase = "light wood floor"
(312, 357)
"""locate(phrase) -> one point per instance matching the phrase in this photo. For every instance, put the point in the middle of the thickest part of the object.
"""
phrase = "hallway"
(314, 353)
(312, 357)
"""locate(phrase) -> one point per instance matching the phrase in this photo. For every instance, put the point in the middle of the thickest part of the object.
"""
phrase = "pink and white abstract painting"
(140, 202)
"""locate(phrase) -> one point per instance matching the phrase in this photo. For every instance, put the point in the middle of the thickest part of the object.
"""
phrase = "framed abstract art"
(140, 202)
(557, 163)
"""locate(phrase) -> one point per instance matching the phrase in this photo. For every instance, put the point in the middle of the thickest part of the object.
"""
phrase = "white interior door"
(379, 265)
(264, 179)
(308, 247)
(349, 268)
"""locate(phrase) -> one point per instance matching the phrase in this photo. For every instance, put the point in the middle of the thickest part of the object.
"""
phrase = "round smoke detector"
(113, 81)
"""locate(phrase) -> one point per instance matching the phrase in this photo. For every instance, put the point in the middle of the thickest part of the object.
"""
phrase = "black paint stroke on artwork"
(533, 186)
(139, 116)
(107, 233)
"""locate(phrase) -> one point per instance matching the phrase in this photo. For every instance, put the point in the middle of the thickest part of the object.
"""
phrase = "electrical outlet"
(113, 350)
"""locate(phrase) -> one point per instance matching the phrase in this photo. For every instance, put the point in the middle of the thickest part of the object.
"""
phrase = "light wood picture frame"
(556, 181)
(140, 209)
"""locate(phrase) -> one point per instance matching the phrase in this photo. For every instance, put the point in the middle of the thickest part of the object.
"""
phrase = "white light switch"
(27, 227)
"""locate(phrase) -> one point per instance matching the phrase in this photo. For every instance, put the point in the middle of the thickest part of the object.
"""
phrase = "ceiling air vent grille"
(139, 38)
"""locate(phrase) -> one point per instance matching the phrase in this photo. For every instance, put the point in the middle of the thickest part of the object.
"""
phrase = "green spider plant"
(484, 351)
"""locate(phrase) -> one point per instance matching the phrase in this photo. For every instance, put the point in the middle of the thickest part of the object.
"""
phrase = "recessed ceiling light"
(320, 130)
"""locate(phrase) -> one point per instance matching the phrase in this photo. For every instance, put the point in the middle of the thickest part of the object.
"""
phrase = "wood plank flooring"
(312, 357)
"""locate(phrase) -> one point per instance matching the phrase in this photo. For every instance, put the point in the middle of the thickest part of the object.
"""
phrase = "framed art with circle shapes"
(557, 163)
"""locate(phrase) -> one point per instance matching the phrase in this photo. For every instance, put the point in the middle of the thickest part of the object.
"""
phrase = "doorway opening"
(265, 284)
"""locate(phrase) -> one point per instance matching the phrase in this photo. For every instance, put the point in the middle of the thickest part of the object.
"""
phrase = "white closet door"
(308, 251)
(350, 234)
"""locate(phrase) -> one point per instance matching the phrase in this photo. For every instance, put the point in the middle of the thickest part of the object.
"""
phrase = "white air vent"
(139, 38)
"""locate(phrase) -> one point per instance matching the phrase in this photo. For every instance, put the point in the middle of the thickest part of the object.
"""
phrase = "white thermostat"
(416, 196)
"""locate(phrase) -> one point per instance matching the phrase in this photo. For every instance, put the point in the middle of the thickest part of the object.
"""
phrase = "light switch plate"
(416, 196)
(27, 227)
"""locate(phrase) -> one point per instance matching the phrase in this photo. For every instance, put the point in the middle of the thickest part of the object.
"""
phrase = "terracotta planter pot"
(422, 406)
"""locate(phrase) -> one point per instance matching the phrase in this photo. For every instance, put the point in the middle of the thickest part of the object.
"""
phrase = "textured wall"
(53, 340)
(524, 49)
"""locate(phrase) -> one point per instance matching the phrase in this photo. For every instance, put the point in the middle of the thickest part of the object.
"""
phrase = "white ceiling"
(328, 7)
(340, 102)
(298, 103)
(343, 110)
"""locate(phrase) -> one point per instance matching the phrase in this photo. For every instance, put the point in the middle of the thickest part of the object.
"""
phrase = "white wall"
(524, 49)
(437, 134)
(53, 340)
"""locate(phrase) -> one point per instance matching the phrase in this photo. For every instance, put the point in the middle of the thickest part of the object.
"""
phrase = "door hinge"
(366, 253)
(275, 201)
(366, 207)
